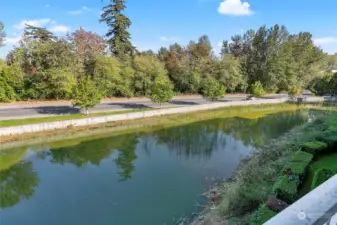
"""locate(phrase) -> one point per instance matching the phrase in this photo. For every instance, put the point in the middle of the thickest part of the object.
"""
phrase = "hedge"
(285, 188)
(299, 163)
(329, 137)
(321, 176)
(314, 147)
(262, 215)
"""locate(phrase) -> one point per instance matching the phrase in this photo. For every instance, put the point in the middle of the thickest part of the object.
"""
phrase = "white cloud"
(51, 25)
(59, 29)
(13, 40)
(167, 39)
(47, 6)
(235, 8)
(164, 38)
(219, 44)
(35, 23)
(79, 11)
(325, 40)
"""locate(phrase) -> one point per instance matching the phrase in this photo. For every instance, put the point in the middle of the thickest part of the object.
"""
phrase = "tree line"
(87, 67)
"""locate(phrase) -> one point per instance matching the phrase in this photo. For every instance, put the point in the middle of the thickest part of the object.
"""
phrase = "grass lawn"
(18, 122)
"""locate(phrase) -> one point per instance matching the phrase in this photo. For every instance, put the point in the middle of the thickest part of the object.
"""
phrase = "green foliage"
(257, 89)
(40, 34)
(49, 84)
(299, 163)
(109, 77)
(146, 70)
(276, 58)
(294, 91)
(262, 215)
(329, 137)
(322, 85)
(286, 188)
(332, 62)
(7, 93)
(228, 73)
(118, 35)
(161, 90)
(268, 60)
(314, 147)
(2, 34)
(86, 95)
(321, 176)
(333, 84)
(212, 89)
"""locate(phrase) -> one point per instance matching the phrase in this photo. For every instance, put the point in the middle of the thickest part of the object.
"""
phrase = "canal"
(155, 177)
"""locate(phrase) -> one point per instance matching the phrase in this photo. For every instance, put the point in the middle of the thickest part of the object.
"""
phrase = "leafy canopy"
(161, 90)
(86, 95)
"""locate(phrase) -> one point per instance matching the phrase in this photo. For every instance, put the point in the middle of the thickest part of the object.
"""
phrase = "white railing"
(319, 207)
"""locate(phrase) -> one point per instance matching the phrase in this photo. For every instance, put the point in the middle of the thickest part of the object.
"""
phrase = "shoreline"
(86, 122)
(145, 125)
(239, 202)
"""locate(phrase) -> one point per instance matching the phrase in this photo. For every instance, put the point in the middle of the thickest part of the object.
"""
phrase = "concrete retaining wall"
(129, 116)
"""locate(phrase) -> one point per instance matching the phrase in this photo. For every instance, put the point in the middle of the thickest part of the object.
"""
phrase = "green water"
(151, 178)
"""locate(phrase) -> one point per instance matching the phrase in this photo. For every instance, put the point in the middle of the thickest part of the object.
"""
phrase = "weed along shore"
(277, 175)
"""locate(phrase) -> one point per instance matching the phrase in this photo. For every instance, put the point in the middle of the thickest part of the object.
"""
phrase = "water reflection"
(17, 183)
(200, 140)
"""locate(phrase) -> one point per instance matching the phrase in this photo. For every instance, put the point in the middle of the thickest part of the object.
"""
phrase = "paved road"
(34, 111)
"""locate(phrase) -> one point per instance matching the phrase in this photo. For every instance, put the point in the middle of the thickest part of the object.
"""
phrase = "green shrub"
(321, 176)
(299, 163)
(262, 215)
(161, 90)
(314, 147)
(212, 89)
(286, 188)
(257, 90)
(329, 137)
(294, 91)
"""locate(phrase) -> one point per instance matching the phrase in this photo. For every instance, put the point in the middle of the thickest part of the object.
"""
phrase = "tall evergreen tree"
(118, 23)
(38, 34)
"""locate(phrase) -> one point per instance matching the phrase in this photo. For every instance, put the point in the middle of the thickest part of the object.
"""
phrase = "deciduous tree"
(86, 95)
(211, 89)
(161, 90)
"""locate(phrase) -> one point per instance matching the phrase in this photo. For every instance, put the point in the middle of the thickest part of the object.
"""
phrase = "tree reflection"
(202, 138)
(124, 163)
(16, 183)
(94, 151)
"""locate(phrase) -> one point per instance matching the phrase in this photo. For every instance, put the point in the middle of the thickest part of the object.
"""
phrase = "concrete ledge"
(316, 208)
(31, 128)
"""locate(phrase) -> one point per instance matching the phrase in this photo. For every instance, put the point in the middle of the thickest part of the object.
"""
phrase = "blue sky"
(157, 23)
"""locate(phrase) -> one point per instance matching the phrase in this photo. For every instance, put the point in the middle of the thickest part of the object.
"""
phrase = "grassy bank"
(253, 182)
(18, 122)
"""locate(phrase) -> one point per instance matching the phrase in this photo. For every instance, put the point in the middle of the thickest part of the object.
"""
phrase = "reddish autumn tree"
(88, 45)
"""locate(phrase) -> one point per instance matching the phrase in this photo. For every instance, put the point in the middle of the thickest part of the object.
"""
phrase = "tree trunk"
(86, 112)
